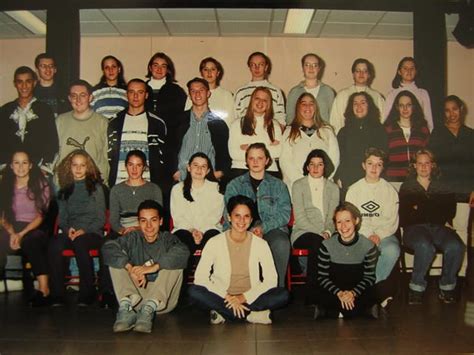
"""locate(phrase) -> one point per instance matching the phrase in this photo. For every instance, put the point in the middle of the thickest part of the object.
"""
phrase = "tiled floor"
(430, 328)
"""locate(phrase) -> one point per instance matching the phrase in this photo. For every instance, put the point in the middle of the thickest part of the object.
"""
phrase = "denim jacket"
(273, 200)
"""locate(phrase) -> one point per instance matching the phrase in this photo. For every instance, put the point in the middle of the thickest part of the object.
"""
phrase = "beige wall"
(232, 52)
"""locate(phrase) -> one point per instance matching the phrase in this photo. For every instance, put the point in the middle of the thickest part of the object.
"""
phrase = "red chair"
(295, 279)
(93, 253)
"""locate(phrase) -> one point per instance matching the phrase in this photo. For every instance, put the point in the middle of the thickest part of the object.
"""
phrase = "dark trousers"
(34, 247)
(81, 246)
(312, 242)
(332, 305)
(274, 298)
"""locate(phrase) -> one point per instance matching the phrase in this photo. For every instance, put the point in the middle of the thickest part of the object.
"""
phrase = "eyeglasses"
(311, 65)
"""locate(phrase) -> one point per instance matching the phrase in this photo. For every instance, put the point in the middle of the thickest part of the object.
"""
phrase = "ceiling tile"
(279, 14)
(92, 16)
(131, 15)
(98, 28)
(41, 14)
(452, 20)
(153, 28)
(6, 31)
(400, 18)
(244, 15)
(321, 15)
(5, 19)
(392, 31)
(234, 28)
(345, 30)
(277, 27)
(315, 28)
(190, 15)
(192, 28)
(343, 16)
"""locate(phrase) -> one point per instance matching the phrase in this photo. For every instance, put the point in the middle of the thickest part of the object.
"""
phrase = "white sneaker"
(261, 317)
(216, 318)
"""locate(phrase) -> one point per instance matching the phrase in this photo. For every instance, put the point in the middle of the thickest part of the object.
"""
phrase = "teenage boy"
(146, 267)
(377, 201)
(82, 128)
(202, 131)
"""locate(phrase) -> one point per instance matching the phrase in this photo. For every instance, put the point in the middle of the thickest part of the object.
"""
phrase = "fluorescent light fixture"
(298, 20)
(28, 20)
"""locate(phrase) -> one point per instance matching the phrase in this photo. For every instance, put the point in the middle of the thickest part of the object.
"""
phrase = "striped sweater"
(109, 100)
(400, 152)
(347, 266)
(242, 99)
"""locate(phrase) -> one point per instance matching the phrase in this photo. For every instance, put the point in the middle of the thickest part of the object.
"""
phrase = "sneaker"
(415, 297)
(447, 296)
(261, 317)
(216, 318)
(385, 304)
(126, 319)
(145, 317)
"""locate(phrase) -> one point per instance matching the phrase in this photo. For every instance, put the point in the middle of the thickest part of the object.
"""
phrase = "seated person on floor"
(25, 198)
(427, 209)
(146, 266)
(377, 200)
(236, 276)
(346, 269)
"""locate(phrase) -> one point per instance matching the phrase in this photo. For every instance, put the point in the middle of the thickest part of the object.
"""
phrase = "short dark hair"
(198, 80)
(218, 65)
(319, 153)
(43, 56)
(263, 147)
(376, 152)
(137, 80)
(25, 70)
(80, 82)
(136, 153)
(236, 200)
(151, 205)
(352, 209)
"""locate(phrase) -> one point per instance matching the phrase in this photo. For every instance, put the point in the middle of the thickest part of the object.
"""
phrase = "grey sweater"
(167, 251)
(124, 202)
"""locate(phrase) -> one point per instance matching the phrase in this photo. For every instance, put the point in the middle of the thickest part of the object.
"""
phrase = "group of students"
(229, 172)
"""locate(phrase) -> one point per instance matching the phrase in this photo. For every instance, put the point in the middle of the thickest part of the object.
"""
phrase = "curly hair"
(318, 122)
(66, 179)
(248, 122)
(373, 114)
(188, 181)
(417, 118)
(38, 190)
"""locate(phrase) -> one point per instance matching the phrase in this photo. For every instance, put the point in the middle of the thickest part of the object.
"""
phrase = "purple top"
(24, 207)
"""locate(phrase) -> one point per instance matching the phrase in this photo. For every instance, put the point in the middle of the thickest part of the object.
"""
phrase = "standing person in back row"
(363, 73)
(27, 124)
(47, 89)
(137, 129)
(110, 94)
(260, 67)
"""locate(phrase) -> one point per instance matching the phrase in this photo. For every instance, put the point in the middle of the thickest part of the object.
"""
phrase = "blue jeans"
(272, 299)
(389, 249)
(279, 243)
(425, 239)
